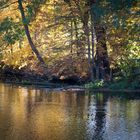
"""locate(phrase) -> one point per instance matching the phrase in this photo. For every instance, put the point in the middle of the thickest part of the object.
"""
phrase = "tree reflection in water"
(38, 114)
(96, 116)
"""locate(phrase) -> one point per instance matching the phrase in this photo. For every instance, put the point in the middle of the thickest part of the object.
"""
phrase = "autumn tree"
(32, 8)
(87, 36)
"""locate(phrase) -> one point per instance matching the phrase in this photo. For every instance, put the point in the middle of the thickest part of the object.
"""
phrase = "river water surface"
(29, 113)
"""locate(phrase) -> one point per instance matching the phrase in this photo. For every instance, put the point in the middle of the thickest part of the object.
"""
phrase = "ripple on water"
(40, 114)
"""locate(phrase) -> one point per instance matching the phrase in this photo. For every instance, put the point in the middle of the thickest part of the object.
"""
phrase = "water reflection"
(37, 114)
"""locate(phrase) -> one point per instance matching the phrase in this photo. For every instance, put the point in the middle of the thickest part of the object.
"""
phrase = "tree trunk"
(71, 41)
(76, 36)
(102, 60)
(28, 33)
(87, 33)
(92, 41)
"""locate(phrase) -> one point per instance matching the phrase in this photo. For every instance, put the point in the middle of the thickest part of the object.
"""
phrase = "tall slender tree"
(25, 24)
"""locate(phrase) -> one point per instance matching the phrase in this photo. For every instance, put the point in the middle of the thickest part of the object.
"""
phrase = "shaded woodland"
(75, 41)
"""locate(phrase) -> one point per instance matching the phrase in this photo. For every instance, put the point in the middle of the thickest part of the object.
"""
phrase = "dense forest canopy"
(88, 38)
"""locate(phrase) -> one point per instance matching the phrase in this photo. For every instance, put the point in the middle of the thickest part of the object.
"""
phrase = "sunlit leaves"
(50, 25)
(3, 3)
(11, 31)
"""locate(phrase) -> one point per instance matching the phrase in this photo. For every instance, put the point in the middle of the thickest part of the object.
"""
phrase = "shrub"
(119, 84)
(95, 85)
(25, 82)
(135, 84)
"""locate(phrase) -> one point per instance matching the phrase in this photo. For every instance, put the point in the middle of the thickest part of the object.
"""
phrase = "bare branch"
(7, 5)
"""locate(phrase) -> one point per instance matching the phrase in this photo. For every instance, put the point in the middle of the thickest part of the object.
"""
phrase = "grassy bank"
(123, 84)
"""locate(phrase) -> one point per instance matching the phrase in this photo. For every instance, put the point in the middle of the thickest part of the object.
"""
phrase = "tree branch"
(7, 5)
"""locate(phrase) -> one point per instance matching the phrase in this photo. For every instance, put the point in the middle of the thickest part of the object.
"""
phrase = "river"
(31, 113)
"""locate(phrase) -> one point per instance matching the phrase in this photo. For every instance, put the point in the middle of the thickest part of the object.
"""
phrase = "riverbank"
(70, 88)
(26, 77)
(40, 75)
